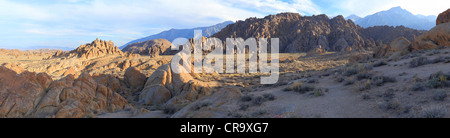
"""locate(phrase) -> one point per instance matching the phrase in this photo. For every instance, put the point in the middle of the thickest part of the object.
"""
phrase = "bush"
(258, 100)
(318, 93)
(349, 82)
(170, 109)
(379, 63)
(351, 71)
(380, 80)
(433, 112)
(418, 87)
(365, 96)
(420, 61)
(299, 87)
(390, 105)
(439, 96)
(363, 75)
(243, 107)
(246, 98)
(438, 80)
(269, 96)
(339, 79)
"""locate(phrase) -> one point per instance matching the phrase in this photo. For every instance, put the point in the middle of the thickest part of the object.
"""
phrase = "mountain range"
(395, 16)
(172, 34)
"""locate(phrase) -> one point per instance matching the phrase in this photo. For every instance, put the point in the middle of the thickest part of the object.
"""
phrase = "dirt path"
(339, 102)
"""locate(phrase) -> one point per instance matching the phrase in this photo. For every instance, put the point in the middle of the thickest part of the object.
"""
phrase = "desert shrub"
(259, 112)
(363, 75)
(269, 96)
(301, 88)
(439, 96)
(339, 79)
(170, 109)
(243, 107)
(258, 100)
(351, 71)
(313, 81)
(390, 105)
(379, 63)
(287, 89)
(420, 61)
(365, 86)
(318, 92)
(381, 80)
(438, 80)
(389, 94)
(418, 87)
(365, 96)
(201, 105)
(246, 98)
(349, 82)
(433, 112)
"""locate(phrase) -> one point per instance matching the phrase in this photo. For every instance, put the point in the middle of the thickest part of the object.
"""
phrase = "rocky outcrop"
(134, 79)
(301, 33)
(400, 45)
(436, 37)
(167, 87)
(218, 105)
(153, 48)
(37, 95)
(95, 49)
(443, 17)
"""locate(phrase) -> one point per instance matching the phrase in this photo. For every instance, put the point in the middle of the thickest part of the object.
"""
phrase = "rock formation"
(218, 105)
(167, 87)
(443, 17)
(439, 36)
(37, 95)
(400, 45)
(301, 33)
(95, 49)
(153, 48)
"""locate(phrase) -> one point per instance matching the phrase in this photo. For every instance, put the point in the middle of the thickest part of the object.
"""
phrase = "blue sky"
(28, 24)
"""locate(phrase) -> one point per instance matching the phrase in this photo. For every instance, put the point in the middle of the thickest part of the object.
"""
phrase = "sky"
(31, 24)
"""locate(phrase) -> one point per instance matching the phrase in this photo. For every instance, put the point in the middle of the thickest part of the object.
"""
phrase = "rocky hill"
(444, 17)
(301, 33)
(95, 49)
(387, 34)
(171, 34)
(153, 47)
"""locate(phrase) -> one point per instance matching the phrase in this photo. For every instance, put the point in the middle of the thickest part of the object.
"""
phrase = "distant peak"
(398, 8)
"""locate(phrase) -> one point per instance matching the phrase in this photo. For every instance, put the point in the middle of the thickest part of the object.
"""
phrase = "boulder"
(439, 36)
(443, 17)
(134, 79)
(217, 105)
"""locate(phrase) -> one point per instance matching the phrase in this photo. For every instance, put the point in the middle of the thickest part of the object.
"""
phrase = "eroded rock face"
(217, 105)
(167, 87)
(399, 46)
(444, 17)
(437, 36)
(134, 78)
(301, 33)
(31, 95)
(153, 48)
